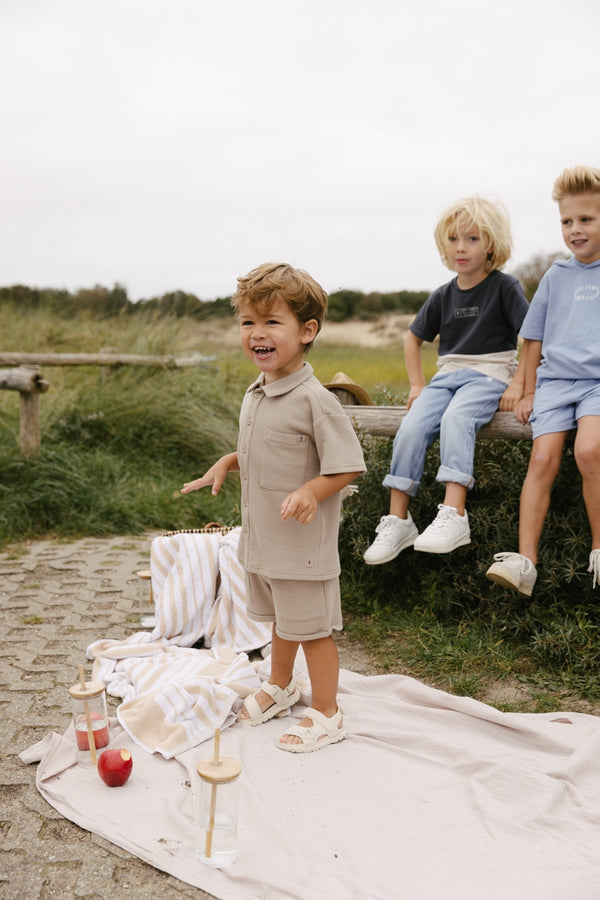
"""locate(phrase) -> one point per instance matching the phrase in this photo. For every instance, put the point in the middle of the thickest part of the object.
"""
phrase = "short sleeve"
(534, 322)
(337, 445)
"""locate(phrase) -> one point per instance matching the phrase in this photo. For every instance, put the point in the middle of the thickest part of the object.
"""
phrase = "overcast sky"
(175, 144)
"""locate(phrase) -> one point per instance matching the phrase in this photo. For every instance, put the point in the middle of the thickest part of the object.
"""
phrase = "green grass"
(381, 373)
(117, 445)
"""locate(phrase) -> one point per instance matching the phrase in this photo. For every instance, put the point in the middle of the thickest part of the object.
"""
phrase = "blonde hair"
(492, 221)
(270, 282)
(578, 180)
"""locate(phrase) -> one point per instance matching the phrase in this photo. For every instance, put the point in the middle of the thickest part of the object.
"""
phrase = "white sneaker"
(447, 532)
(513, 570)
(393, 535)
(594, 566)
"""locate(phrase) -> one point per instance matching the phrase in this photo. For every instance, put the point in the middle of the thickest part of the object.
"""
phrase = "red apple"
(114, 767)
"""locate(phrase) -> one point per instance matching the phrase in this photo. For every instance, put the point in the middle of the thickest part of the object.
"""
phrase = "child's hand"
(198, 483)
(510, 397)
(215, 476)
(413, 394)
(524, 408)
(301, 505)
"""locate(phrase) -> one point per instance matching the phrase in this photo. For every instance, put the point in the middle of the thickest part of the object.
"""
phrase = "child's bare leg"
(283, 656)
(399, 502)
(323, 663)
(456, 496)
(544, 463)
(587, 457)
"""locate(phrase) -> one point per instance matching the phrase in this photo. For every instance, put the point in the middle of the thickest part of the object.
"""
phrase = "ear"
(309, 331)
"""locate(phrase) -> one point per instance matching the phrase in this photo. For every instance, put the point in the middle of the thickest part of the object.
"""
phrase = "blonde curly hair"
(492, 221)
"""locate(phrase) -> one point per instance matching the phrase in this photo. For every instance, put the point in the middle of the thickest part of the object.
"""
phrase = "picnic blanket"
(430, 797)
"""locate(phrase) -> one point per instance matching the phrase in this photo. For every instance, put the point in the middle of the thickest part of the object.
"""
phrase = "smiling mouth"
(263, 352)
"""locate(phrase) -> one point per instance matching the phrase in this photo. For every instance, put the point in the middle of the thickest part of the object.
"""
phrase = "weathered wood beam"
(385, 420)
(101, 359)
(29, 423)
(27, 379)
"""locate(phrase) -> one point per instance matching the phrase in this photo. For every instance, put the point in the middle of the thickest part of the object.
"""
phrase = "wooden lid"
(92, 689)
(227, 769)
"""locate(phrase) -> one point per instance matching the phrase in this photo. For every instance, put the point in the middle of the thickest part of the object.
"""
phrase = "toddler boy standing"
(296, 451)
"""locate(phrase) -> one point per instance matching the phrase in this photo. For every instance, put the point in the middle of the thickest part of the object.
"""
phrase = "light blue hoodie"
(565, 316)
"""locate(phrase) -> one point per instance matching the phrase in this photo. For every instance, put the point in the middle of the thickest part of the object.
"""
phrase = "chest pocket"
(285, 461)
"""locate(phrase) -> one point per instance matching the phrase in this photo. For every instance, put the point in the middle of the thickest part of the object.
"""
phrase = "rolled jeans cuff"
(401, 484)
(444, 475)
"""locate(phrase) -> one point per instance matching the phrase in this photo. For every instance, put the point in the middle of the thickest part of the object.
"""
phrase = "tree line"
(102, 302)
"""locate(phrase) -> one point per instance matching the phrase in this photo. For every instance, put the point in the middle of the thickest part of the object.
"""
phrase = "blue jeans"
(452, 407)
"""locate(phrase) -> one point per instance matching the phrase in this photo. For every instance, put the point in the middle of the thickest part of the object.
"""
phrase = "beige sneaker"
(513, 570)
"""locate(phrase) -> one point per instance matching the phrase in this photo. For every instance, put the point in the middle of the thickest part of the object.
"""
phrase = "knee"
(412, 430)
(587, 457)
(543, 465)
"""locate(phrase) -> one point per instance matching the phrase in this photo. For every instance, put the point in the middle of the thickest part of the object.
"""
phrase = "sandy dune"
(381, 332)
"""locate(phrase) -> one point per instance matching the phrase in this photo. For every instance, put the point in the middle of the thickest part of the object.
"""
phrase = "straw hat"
(342, 382)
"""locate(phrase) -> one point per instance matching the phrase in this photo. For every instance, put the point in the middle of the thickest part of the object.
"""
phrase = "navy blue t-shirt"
(482, 319)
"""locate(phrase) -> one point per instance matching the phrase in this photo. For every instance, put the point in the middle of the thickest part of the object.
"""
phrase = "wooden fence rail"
(28, 380)
(385, 420)
(104, 358)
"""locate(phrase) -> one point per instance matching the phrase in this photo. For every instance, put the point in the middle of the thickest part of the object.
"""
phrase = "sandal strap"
(279, 696)
(329, 724)
(323, 726)
(252, 707)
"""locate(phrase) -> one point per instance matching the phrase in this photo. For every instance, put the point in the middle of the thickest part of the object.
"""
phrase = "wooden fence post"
(29, 423)
(28, 381)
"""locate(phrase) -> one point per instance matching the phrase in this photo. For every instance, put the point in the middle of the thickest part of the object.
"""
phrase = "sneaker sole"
(459, 542)
(390, 556)
(501, 578)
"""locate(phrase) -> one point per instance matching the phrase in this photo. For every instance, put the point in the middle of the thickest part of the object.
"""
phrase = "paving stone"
(55, 600)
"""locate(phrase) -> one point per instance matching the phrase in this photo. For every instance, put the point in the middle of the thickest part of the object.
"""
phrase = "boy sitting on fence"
(477, 316)
(562, 328)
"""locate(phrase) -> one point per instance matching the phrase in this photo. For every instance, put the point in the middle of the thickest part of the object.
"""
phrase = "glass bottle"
(90, 720)
(218, 811)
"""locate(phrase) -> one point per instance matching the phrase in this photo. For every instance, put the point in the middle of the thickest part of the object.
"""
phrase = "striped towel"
(174, 696)
(200, 583)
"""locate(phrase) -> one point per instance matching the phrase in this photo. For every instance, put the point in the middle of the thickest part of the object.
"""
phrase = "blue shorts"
(558, 404)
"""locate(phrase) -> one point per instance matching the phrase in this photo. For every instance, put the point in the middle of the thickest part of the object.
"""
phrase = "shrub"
(115, 453)
(558, 625)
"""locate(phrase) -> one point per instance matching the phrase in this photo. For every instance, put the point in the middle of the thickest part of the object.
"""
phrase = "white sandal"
(324, 730)
(282, 701)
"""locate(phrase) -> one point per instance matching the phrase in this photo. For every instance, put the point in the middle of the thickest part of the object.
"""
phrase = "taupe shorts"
(301, 610)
